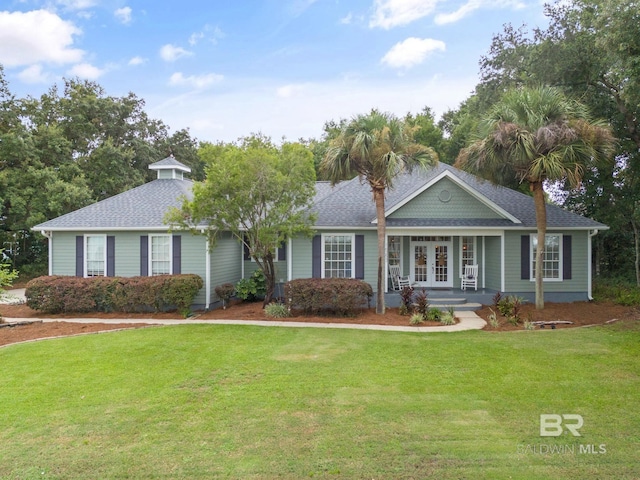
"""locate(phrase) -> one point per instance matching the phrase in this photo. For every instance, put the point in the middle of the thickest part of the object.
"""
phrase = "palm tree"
(377, 147)
(535, 135)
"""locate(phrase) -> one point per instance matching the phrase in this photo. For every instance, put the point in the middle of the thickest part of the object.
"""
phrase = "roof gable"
(446, 196)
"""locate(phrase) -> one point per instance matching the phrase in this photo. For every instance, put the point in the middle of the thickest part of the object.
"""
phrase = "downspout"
(49, 236)
(502, 271)
(589, 267)
(207, 274)
(289, 258)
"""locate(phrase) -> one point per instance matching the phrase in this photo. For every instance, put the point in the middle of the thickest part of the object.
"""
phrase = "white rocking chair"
(398, 282)
(470, 277)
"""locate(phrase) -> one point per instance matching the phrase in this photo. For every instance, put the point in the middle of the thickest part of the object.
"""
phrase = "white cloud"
(195, 81)
(137, 61)
(34, 74)
(77, 4)
(37, 36)
(473, 5)
(393, 13)
(347, 19)
(86, 70)
(123, 15)
(411, 52)
(171, 53)
(248, 106)
(212, 33)
(288, 91)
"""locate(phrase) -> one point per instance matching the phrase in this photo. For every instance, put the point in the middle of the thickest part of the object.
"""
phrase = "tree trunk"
(270, 279)
(378, 195)
(636, 239)
(541, 224)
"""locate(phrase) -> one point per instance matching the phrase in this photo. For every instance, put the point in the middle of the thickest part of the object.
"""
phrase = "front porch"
(461, 300)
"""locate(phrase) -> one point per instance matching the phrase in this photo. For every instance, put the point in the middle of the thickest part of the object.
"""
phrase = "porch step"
(447, 300)
(463, 307)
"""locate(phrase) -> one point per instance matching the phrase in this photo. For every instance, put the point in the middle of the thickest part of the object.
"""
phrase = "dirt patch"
(580, 313)
(38, 330)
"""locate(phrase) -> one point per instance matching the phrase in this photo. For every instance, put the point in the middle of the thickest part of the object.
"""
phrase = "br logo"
(552, 425)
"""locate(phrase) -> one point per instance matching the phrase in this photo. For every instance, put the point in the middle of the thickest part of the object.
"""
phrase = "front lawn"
(207, 401)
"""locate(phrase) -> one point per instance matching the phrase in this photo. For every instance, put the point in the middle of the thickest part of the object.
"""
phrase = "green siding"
(226, 261)
(579, 263)
(127, 254)
(302, 255)
(492, 262)
(461, 205)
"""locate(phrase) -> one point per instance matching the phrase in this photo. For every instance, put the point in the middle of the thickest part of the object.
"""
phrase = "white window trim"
(150, 249)
(475, 251)
(532, 272)
(86, 252)
(353, 252)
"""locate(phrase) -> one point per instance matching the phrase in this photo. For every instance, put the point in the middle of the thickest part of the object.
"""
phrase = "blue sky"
(225, 69)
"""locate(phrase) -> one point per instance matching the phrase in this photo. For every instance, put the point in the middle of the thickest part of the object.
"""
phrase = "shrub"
(252, 288)
(416, 319)
(422, 303)
(225, 292)
(342, 296)
(529, 325)
(447, 319)
(434, 315)
(617, 291)
(61, 294)
(277, 310)
(406, 297)
(493, 319)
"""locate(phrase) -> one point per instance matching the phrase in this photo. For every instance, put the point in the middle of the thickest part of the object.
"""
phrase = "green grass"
(248, 402)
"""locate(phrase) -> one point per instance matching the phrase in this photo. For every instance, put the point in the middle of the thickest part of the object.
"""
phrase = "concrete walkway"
(468, 321)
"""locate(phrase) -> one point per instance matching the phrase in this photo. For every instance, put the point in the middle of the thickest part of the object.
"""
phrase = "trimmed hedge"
(342, 296)
(62, 294)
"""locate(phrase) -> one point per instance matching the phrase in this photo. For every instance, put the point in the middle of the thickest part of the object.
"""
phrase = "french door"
(431, 264)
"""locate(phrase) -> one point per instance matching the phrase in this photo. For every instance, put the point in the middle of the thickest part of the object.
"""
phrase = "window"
(338, 256)
(551, 257)
(394, 249)
(160, 257)
(468, 253)
(95, 256)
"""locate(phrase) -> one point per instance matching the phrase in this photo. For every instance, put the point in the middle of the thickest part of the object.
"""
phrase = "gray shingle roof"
(352, 204)
(348, 204)
(168, 164)
(142, 207)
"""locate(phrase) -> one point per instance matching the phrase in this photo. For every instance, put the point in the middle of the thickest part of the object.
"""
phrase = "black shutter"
(566, 257)
(177, 254)
(525, 260)
(316, 255)
(247, 253)
(111, 256)
(282, 252)
(144, 255)
(79, 256)
(359, 257)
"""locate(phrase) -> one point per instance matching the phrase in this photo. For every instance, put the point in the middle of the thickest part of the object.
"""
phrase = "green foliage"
(434, 315)
(62, 294)
(225, 292)
(7, 275)
(252, 288)
(620, 292)
(447, 319)
(493, 319)
(341, 296)
(529, 325)
(416, 319)
(257, 191)
(277, 310)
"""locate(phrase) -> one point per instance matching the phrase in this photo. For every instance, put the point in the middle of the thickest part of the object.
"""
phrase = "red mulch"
(580, 313)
